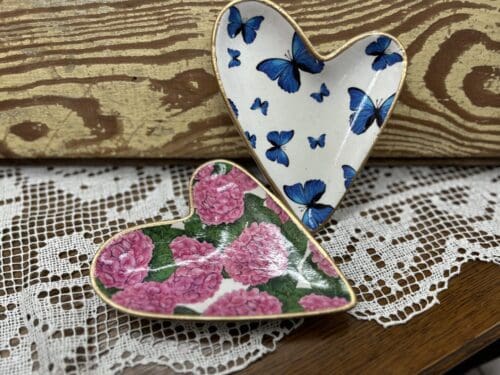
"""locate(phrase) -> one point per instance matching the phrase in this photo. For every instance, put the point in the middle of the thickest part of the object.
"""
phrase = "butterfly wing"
(324, 90)
(282, 70)
(314, 190)
(278, 155)
(378, 47)
(285, 136)
(233, 53)
(278, 139)
(251, 138)
(296, 193)
(289, 80)
(383, 111)
(383, 61)
(233, 107)
(317, 96)
(235, 22)
(264, 107)
(256, 104)
(249, 29)
(393, 58)
(364, 111)
(303, 58)
(349, 174)
(321, 140)
(234, 57)
(274, 138)
(234, 63)
(316, 215)
(313, 143)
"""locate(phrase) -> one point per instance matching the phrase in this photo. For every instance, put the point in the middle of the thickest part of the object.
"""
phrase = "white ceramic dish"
(309, 120)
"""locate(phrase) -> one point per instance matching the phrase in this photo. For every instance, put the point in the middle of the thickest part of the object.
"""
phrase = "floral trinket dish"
(309, 120)
(238, 255)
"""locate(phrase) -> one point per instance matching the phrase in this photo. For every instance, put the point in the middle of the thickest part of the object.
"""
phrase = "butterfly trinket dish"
(309, 121)
(238, 255)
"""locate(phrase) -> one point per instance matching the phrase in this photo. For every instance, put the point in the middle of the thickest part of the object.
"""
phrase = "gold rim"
(323, 58)
(297, 222)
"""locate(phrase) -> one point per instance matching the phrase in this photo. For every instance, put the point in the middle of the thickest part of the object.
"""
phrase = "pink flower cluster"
(322, 262)
(186, 248)
(219, 198)
(124, 263)
(196, 281)
(125, 260)
(150, 296)
(244, 302)
(245, 182)
(315, 302)
(257, 255)
(271, 204)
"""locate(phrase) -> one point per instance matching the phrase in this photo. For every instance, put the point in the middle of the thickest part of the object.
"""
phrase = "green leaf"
(225, 275)
(222, 168)
(295, 235)
(256, 212)
(108, 292)
(183, 310)
(194, 227)
(162, 264)
(218, 235)
(323, 284)
(285, 289)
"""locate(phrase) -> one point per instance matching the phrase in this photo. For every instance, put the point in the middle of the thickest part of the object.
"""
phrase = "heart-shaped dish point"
(309, 121)
(238, 255)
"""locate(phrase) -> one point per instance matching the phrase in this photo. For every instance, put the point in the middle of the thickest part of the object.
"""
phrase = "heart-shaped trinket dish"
(310, 121)
(238, 255)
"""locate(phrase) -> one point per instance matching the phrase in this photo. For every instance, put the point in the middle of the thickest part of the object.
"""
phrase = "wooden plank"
(133, 78)
(465, 321)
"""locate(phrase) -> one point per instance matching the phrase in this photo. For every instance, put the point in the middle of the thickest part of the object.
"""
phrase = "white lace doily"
(402, 233)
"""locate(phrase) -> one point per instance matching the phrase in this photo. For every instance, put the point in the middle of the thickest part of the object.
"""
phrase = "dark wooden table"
(465, 321)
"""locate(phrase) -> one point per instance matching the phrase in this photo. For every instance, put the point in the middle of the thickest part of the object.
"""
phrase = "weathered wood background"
(133, 78)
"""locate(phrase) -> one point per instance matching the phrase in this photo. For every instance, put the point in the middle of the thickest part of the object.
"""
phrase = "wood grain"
(465, 321)
(133, 78)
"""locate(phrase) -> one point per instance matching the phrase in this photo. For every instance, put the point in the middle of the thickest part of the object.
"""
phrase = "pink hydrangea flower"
(150, 296)
(271, 204)
(244, 302)
(205, 172)
(245, 182)
(196, 280)
(185, 248)
(314, 302)
(323, 264)
(257, 255)
(124, 261)
(218, 200)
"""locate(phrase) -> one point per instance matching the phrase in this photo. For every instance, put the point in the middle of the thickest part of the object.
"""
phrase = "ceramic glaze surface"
(310, 121)
(238, 255)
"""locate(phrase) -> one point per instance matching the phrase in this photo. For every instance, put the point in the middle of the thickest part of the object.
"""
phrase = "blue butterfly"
(251, 138)
(349, 174)
(279, 139)
(287, 71)
(323, 91)
(233, 107)
(308, 195)
(263, 105)
(365, 112)
(383, 59)
(315, 142)
(247, 28)
(234, 54)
